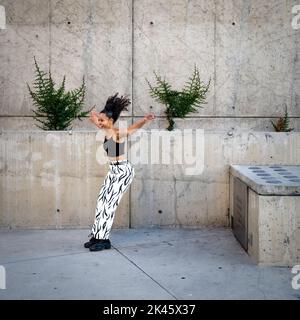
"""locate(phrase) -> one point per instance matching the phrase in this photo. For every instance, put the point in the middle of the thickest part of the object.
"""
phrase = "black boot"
(100, 245)
(91, 241)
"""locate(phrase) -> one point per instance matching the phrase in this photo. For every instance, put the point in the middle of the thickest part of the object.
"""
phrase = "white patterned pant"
(116, 183)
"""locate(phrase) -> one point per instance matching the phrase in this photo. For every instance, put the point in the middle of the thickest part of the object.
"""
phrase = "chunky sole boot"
(90, 242)
(103, 244)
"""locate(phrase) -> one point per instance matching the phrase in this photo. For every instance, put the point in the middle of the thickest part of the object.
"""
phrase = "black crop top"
(112, 148)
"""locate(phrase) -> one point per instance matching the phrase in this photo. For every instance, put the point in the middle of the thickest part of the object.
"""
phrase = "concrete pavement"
(152, 263)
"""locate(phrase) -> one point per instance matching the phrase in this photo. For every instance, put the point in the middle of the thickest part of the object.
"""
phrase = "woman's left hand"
(149, 117)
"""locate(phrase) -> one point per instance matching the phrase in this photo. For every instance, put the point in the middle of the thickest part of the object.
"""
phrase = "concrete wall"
(53, 179)
(248, 49)
(274, 227)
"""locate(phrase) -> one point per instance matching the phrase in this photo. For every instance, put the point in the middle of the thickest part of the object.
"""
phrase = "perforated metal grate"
(286, 175)
(270, 179)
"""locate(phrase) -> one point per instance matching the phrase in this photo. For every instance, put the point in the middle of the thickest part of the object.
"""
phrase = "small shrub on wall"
(179, 103)
(56, 108)
(282, 124)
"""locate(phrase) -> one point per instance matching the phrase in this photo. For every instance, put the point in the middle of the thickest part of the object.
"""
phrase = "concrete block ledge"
(52, 179)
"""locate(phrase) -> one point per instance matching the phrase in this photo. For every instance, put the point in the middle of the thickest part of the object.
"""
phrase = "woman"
(121, 170)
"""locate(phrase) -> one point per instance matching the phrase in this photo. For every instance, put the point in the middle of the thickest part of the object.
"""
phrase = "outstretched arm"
(123, 132)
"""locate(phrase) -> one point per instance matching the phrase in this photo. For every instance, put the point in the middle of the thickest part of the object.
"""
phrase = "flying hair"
(115, 105)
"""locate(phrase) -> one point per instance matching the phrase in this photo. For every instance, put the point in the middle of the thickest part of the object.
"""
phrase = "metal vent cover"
(269, 179)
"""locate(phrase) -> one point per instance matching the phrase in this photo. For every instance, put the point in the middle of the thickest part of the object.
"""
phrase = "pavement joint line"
(164, 242)
(43, 257)
(132, 262)
(143, 245)
(77, 252)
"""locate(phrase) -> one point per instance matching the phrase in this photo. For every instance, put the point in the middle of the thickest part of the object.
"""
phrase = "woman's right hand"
(93, 117)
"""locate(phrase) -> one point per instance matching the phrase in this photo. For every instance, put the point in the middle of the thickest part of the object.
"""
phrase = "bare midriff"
(121, 157)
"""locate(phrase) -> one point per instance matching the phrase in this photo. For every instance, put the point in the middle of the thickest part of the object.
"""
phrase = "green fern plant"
(179, 103)
(282, 124)
(58, 107)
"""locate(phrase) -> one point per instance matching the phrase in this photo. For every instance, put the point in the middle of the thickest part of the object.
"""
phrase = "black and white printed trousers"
(116, 183)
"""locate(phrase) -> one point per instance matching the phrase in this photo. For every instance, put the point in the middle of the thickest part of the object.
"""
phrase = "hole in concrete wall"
(233, 23)
(69, 22)
(159, 211)
(57, 210)
(151, 22)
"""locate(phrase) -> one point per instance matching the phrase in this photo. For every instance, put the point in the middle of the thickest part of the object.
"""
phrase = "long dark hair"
(115, 105)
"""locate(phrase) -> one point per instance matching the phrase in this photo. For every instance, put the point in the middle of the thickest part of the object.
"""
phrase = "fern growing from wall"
(282, 124)
(179, 103)
(56, 108)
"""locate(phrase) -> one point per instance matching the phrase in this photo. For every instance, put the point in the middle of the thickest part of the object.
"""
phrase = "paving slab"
(144, 263)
